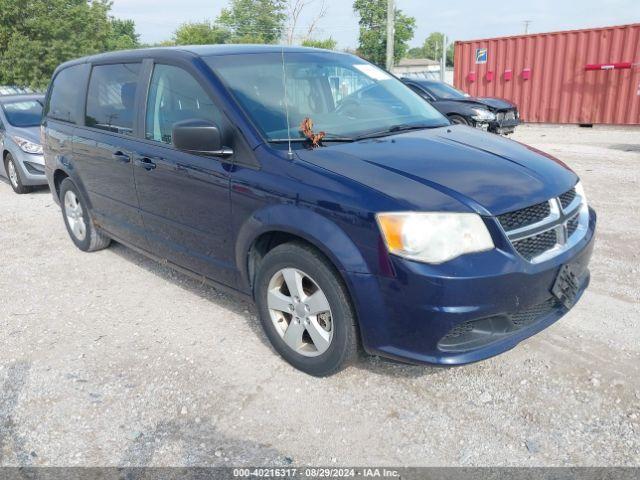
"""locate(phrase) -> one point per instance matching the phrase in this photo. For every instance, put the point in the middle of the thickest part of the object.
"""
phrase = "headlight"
(482, 115)
(434, 237)
(27, 146)
(580, 191)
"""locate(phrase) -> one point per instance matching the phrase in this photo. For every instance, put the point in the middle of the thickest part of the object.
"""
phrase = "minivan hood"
(482, 172)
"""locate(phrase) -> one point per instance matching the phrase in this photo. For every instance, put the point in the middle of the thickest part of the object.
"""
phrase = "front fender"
(307, 224)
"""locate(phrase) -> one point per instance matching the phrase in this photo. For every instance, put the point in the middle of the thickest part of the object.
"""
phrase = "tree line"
(37, 35)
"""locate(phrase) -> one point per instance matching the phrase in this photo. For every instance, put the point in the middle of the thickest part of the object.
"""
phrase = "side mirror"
(199, 137)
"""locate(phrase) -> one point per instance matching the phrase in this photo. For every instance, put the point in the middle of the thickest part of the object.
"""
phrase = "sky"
(458, 19)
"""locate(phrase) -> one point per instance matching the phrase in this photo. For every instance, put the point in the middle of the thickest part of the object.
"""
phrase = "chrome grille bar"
(558, 220)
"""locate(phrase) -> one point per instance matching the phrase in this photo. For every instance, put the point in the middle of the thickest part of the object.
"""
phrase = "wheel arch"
(60, 172)
(58, 176)
(279, 224)
(3, 168)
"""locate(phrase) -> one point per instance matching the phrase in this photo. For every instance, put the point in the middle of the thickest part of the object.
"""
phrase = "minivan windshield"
(23, 113)
(344, 96)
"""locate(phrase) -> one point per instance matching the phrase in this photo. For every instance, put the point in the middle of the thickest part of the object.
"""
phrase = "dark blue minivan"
(350, 210)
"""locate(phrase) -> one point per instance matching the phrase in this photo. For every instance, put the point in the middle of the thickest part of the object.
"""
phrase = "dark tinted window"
(66, 94)
(174, 95)
(111, 97)
(444, 91)
(25, 113)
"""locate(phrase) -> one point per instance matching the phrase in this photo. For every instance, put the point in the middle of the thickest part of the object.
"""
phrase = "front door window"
(174, 95)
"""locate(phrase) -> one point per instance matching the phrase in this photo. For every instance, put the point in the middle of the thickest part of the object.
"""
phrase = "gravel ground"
(111, 359)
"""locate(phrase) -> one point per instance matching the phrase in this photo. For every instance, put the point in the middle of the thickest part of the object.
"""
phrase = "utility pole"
(526, 26)
(443, 58)
(391, 17)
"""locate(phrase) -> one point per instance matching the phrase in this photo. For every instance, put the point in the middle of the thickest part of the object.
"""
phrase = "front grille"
(525, 216)
(530, 315)
(459, 330)
(567, 197)
(476, 333)
(536, 245)
(548, 226)
(572, 225)
(508, 115)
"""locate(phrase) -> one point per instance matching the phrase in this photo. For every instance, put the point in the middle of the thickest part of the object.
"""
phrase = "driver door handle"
(144, 162)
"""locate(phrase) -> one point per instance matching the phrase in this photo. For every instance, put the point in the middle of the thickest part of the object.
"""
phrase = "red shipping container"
(563, 85)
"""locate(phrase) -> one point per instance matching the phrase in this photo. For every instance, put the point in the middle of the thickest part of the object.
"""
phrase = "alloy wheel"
(300, 312)
(13, 173)
(75, 215)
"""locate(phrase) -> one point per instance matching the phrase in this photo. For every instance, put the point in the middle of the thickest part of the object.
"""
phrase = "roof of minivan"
(194, 50)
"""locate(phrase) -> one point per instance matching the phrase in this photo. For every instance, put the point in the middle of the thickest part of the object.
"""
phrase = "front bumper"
(412, 315)
(31, 168)
(504, 127)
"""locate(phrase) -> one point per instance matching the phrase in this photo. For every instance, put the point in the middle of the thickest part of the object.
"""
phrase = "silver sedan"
(22, 160)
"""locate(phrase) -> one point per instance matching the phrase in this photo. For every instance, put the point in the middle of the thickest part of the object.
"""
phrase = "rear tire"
(13, 174)
(77, 219)
(458, 120)
(311, 325)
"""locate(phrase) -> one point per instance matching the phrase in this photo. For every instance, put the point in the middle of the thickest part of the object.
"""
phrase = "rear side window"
(111, 97)
(174, 95)
(65, 94)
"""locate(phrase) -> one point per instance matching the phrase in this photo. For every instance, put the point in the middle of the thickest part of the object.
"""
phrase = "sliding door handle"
(144, 162)
(121, 156)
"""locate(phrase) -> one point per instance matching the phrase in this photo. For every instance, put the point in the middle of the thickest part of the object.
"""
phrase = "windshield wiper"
(327, 138)
(337, 138)
(404, 127)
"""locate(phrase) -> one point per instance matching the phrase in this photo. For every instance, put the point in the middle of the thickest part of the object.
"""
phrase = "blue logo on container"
(481, 55)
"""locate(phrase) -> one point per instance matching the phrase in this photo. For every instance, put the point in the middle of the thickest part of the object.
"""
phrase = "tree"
(328, 44)
(122, 35)
(373, 31)
(254, 21)
(415, 52)
(432, 48)
(450, 54)
(294, 11)
(200, 33)
(37, 35)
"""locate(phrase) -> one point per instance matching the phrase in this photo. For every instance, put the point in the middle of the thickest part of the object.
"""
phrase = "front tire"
(305, 310)
(77, 219)
(458, 120)
(13, 173)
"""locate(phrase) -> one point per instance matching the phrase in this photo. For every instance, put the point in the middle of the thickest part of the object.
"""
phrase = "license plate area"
(567, 284)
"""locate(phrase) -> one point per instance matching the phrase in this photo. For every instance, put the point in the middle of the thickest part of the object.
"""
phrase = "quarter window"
(174, 95)
(64, 98)
(111, 97)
